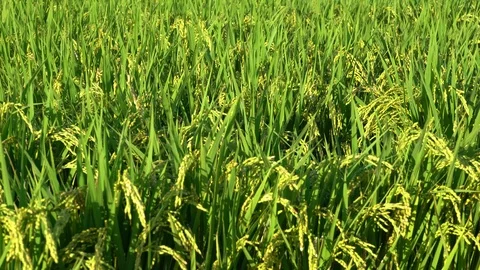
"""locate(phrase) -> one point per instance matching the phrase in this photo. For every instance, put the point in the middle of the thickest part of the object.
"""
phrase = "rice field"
(266, 134)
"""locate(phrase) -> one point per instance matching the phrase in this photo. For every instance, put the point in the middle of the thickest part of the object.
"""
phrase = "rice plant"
(265, 134)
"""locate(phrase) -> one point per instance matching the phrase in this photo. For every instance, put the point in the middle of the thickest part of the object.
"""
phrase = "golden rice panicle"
(445, 193)
(69, 137)
(404, 214)
(252, 161)
(348, 247)
(96, 261)
(438, 147)
(286, 179)
(287, 205)
(473, 199)
(79, 243)
(13, 235)
(270, 255)
(266, 198)
(249, 170)
(4, 109)
(394, 215)
(205, 35)
(17, 248)
(185, 237)
(185, 165)
(243, 242)
(38, 212)
(386, 111)
(34, 218)
(17, 108)
(302, 225)
(50, 244)
(408, 136)
(464, 105)
(462, 232)
(132, 195)
(374, 160)
(244, 208)
(165, 250)
(72, 201)
(312, 254)
(356, 70)
(179, 25)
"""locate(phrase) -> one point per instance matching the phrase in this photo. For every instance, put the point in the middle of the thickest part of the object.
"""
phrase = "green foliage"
(234, 135)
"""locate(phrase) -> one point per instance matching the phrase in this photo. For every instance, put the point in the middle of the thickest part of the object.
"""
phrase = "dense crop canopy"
(221, 134)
